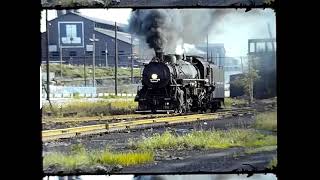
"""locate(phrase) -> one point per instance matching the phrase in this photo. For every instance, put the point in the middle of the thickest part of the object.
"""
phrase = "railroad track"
(103, 118)
(49, 135)
(117, 117)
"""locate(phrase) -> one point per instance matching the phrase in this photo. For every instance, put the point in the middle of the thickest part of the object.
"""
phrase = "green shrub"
(208, 140)
(70, 71)
(266, 121)
(273, 163)
(229, 102)
(80, 157)
(83, 109)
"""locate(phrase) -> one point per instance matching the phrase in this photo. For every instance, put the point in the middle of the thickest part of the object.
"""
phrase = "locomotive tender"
(172, 83)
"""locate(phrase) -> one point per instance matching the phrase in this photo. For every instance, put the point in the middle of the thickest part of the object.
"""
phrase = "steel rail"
(48, 135)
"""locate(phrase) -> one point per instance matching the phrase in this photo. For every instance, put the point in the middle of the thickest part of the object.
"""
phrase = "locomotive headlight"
(154, 76)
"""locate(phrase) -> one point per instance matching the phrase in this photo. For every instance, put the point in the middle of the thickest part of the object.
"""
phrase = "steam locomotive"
(175, 83)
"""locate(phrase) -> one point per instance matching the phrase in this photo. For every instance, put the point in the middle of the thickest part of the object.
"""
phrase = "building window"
(252, 50)
(89, 53)
(55, 54)
(260, 47)
(71, 30)
(269, 46)
(72, 53)
(103, 53)
(71, 35)
(121, 52)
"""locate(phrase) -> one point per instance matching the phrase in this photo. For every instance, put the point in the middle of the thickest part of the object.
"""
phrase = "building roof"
(97, 20)
(102, 21)
(262, 40)
(125, 37)
(211, 45)
(219, 46)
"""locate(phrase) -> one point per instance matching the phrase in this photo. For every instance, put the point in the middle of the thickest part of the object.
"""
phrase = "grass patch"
(229, 102)
(116, 97)
(71, 161)
(84, 109)
(266, 121)
(79, 157)
(207, 140)
(260, 149)
(273, 163)
(70, 71)
(76, 95)
(75, 3)
(269, 2)
(126, 159)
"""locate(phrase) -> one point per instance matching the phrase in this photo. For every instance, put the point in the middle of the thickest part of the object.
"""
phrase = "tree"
(247, 80)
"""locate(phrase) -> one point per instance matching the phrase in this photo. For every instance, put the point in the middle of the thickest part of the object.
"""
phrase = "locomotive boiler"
(175, 83)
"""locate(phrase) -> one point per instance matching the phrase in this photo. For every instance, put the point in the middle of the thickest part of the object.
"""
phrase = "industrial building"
(216, 52)
(69, 41)
(262, 57)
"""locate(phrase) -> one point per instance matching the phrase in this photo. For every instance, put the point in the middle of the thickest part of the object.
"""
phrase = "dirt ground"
(187, 2)
(207, 161)
(190, 3)
(177, 160)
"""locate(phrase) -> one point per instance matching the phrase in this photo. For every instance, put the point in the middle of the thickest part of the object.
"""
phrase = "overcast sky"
(238, 26)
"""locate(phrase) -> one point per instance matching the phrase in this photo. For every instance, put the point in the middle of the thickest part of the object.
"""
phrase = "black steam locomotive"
(175, 83)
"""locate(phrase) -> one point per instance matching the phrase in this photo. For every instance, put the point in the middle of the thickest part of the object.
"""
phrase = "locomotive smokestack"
(159, 54)
(179, 57)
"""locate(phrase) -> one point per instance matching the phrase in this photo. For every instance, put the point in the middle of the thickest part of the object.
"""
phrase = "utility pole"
(273, 48)
(84, 69)
(132, 59)
(94, 40)
(48, 79)
(250, 71)
(60, 61)
(270, 34)
(207, 46)
(106, 54)
(251, 79)
(241, 64)
(116, 60)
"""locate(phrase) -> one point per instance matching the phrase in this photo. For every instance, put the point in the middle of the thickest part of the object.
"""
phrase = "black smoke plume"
(165, 29)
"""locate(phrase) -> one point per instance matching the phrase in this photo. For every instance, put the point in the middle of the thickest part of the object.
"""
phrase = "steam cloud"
(179, 30)
(169, 29)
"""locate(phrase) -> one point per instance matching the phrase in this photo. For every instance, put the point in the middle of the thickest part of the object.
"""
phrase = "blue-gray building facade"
(70, 34)
(216, 52)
